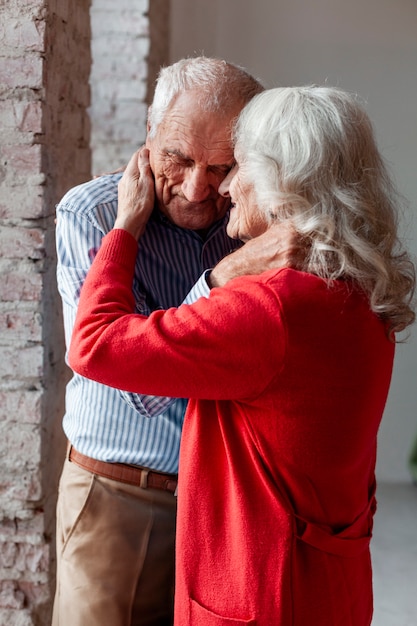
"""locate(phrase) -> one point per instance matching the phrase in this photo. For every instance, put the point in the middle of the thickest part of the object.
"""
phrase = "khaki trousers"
(115, 552)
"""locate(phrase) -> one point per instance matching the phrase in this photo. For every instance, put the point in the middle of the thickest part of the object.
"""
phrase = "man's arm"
(78, 239)
(77, 242)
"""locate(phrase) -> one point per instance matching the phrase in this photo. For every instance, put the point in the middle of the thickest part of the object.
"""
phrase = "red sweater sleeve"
(227, 346)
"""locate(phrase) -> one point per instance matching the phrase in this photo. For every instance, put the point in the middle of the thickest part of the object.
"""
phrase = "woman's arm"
(222, 347)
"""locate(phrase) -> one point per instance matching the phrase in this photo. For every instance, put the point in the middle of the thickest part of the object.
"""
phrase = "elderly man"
(117, 505)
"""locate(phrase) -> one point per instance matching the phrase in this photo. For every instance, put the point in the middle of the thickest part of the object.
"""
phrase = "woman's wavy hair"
(311, 155)
(220, 86)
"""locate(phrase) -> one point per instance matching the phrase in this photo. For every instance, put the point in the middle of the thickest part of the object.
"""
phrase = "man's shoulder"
(87, 196)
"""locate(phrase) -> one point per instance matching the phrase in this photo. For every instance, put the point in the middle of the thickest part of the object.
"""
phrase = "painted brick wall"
(130, 41)
(45, 84)
(44, 96)
(120, 46)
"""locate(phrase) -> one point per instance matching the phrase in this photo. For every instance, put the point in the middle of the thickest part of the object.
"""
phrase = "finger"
(143, 159)
(144, 164)
(132, 169)
(144, 155)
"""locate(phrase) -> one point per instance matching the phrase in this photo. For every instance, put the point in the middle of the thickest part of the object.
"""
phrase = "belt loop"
(144, 479)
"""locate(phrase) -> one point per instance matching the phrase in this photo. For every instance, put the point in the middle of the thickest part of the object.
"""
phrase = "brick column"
(120, 45)
(44, 94)
(130, 41)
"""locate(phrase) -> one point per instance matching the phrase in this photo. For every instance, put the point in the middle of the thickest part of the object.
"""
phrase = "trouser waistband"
(130, 474)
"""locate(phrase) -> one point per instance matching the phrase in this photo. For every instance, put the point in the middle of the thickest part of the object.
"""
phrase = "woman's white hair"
(311, 155)
(219, 86)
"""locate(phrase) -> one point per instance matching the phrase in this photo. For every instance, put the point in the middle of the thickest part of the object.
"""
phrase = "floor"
(394, 556)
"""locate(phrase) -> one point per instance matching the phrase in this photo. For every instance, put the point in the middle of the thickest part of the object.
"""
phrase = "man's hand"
(278, 247)
(136, 194)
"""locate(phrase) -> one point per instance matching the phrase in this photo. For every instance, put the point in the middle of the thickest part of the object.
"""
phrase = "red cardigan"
(287, 379)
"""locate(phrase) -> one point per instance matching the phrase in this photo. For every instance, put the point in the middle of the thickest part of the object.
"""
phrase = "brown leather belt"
(129, 474)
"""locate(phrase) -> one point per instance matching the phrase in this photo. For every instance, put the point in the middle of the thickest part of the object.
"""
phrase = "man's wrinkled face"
(190, 155)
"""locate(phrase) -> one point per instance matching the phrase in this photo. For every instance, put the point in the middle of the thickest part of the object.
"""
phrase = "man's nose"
(196, 185)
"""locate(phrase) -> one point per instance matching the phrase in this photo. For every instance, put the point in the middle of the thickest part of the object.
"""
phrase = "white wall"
(366, 46)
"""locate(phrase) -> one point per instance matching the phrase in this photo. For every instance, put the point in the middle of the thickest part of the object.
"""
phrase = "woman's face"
(246, 220)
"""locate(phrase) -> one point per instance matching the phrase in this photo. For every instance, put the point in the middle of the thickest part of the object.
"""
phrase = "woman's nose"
(225, 184)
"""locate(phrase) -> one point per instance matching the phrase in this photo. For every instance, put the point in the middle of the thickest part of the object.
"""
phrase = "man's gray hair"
(219, 86)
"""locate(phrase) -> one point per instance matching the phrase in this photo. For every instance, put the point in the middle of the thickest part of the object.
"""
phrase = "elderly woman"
(287, 371)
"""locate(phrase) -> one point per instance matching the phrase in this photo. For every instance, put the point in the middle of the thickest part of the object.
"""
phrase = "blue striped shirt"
(105, 423)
